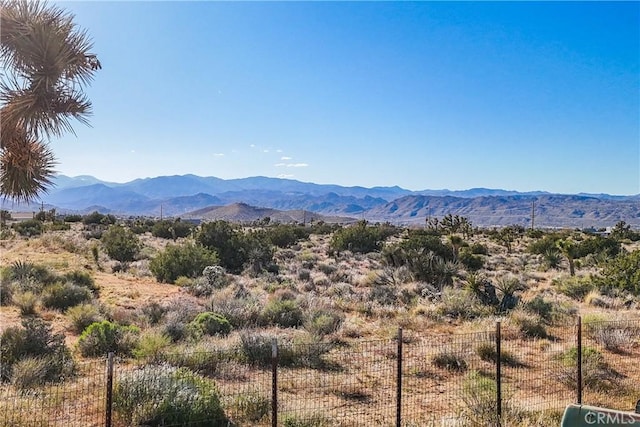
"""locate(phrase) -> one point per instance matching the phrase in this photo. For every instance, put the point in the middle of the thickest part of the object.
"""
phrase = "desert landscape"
(204, 304)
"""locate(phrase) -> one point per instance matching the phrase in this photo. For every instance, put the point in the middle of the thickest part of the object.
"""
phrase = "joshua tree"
(568, 249)
(46, 64)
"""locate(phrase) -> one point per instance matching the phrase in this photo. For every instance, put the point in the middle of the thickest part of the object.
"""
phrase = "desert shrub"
(103, 337)
(529, 325)
(284, 313)
(35, 371)
(72, 218)
(228, 242)
(175, 326)
(96, 217)
(82, 315)
(487, 352)
(311, 420)
(539, 306)
(256, 349)
(304, 274)
(151, 346)
(613, 336)
(460, 303)
(209, 323)
(478, 398)
(164, 395)
(28, 228)
(621, 273)
(358, 238)
(213, 277)
(27, 302)
(240, 310)
(27, 273)
(168, 229)
(545, 244)
(596, 373)
(187, 260)
(479, 249)
(82, 278)
(34, 339)
(154, 312)
(383, 295)
(7, 291)
(121, 243)
(574, 287)
(449, 361)
(61, 296)
(322, 322)
(286, 235)
(470, 261)
(251, 406)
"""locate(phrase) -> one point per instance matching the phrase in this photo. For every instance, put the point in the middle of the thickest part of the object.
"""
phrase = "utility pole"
(533, 212)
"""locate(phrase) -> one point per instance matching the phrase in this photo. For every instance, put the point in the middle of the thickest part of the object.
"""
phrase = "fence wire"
(446, 380)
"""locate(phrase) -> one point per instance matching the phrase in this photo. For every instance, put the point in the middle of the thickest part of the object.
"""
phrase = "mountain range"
(247, 199)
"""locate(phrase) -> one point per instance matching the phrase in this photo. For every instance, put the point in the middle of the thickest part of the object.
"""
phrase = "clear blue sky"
(520, 96)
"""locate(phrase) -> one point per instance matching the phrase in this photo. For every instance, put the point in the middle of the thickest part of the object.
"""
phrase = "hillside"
(188, 195)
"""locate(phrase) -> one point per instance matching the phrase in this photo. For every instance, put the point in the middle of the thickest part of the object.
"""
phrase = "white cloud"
(252, 145)
(278, 151)
(218, 154)
(265, 151)
(291, 165)
(285, 175)
(285, 158)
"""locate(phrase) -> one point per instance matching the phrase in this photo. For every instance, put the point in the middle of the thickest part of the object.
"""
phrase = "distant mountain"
(188, 195)
(241, 212)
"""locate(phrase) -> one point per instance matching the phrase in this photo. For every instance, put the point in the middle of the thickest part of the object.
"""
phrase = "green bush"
(284, 313)
(209, 323)
(231, 244)
(98, 218)
(574, 287)
(82, 278)
(187, 260)
(29, 227)
(34, 339)
(171, 229)
(251, 406)
(103, 337)
(322, 322)
(151, 346)
(530, 326)
(256, 349)
(121, 243)
(621, 273)
(596, 373)
(82, 315)
(479, 400)
(359, 238)
(312, 420)
(33, 371)
(26, 301)
(62, 296)
(164, 395)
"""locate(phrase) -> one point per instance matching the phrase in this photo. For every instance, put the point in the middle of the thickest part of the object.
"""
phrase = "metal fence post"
(274, 383)
(579, 361)
(498, 374)
(399, 381)
(109, 403)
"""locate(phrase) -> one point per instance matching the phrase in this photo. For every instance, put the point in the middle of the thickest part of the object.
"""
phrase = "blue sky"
(424, 95)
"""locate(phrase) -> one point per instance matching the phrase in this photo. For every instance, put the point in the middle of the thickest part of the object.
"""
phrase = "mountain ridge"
(182, 195)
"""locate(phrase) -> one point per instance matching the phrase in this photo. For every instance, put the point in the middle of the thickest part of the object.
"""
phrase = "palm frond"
(27, 166)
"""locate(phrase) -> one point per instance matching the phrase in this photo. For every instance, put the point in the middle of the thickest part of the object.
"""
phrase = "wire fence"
(410, 380)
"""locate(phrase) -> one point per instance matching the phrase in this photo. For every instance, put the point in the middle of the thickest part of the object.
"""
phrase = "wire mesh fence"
(410, 380)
